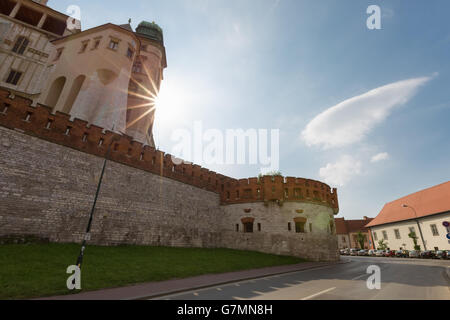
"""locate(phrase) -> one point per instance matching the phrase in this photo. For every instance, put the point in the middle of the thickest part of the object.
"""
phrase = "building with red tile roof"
(423, 213)
(347, 230)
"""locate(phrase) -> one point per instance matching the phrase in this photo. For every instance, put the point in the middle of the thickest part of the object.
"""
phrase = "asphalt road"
(411, 279)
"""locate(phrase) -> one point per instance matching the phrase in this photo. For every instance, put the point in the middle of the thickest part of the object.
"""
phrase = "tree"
(414, 238)
(382, 245)
(361, 239)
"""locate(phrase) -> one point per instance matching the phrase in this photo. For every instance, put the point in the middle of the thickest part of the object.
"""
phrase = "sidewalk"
(155, 289)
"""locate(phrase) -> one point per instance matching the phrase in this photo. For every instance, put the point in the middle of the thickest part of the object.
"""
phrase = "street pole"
(418, 224)
(87, 235)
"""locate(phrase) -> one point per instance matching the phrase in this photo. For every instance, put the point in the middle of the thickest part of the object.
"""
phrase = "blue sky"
(365, 110)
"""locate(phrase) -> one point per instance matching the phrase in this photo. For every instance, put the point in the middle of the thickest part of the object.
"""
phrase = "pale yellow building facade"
(109, 75)
(26, 31)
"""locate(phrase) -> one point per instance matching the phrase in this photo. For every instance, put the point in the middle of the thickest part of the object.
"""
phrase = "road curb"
(171, 292)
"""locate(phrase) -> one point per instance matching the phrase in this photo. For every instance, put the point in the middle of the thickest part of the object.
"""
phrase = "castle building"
(26, 31)
(109, 75)
(95, 98)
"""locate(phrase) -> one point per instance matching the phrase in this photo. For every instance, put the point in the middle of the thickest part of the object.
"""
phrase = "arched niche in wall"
(55, 92)
(74, 91)
(106, 76)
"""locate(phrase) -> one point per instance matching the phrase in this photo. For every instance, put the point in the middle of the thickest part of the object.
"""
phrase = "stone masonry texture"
(48, 181)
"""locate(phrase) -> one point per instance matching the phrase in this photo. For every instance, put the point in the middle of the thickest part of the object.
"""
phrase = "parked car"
(379, 253)
(428, 254)
(414, 254)
(441, 254)
(448, 254)
(363, 252)
(389, 253)
(371, 252)
(354, 252)
(399, 254)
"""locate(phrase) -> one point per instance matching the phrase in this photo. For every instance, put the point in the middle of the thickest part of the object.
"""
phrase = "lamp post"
(418, 224)
(87, 235)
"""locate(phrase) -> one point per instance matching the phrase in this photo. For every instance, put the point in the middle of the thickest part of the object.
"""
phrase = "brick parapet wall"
(18, 114)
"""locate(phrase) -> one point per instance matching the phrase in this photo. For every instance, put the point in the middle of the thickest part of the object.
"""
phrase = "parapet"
(279, 189)
(18, 114)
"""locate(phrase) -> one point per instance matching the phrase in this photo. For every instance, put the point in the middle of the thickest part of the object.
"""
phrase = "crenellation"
(180, 183)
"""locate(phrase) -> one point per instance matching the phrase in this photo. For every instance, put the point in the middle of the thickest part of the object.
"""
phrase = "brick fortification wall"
(50, 166)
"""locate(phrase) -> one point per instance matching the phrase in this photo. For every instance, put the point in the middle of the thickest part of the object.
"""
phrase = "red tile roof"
(350, 226)
(426, 202)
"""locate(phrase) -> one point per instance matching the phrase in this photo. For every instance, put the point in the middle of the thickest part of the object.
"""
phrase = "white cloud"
(351, 120)
(341, 172)
(380, 157)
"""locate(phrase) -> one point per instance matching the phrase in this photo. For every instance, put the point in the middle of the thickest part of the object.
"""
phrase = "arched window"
(55, 92)
(74, 91)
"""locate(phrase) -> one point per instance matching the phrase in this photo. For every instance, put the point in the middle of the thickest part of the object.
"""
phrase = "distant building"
(347, 231)
(422, 213)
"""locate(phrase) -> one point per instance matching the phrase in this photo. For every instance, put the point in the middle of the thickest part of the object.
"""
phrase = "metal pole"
(420, 229)
(418, 224)
(88, 229)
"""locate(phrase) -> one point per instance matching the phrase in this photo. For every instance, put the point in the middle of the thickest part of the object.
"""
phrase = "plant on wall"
(271, 174)
(361, 239)
(382, 245)
(413, 236)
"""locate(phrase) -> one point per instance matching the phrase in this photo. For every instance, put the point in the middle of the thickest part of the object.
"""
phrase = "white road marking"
(318, 294)
(363, 275)
(219, 289)
(275, 288)
(258, 293)
(237, 298)
(196, 294)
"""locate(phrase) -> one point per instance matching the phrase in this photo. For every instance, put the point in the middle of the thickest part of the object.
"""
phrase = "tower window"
(300, 227)
(248, 227)
(21, 45)
(130, 53)
(84, 46)
(14, 77)
(137, 67)
(96, 44)
(59, 53)
(114, 45)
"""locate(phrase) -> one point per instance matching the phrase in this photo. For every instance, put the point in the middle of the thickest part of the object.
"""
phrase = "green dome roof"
(151, 31)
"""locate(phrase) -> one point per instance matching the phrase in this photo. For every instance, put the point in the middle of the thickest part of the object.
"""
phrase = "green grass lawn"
(36, 270)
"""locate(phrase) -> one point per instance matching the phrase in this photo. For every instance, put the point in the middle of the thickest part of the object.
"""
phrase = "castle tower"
(146, 77)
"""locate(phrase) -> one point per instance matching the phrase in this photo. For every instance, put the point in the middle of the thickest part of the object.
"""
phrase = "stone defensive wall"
(50, 167)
